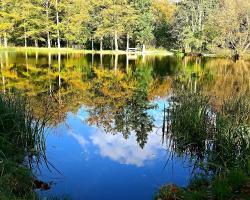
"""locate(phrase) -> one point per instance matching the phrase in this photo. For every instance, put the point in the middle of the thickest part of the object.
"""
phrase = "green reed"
(21, 143)
(217, 141)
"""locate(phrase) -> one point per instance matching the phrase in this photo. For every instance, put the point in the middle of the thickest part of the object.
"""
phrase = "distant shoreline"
(71, 50)
(160, 52)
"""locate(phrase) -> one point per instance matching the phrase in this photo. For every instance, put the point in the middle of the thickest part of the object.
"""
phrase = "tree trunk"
(101, 44)
(236, 56)
(25, 38)
(92, 44)
(143, 48)
(112, 44)
(47, 15)
(127, 42)
(5, 40)
(36, 43)
(116, 41)
(0, 40)
(48, 40)
(57, 23)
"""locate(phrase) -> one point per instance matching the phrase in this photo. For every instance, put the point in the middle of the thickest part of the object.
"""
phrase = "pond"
(104, 137)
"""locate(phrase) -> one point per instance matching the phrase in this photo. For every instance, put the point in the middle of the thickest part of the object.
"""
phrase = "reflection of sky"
(116, 148)
(97, 165)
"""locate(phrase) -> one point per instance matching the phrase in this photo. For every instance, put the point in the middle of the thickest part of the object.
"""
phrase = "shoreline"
(83, 51)
(157, 52)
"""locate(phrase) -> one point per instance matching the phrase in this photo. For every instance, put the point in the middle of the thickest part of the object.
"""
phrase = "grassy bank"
(234, 185)
(150, 51)
(216, 139)
(71, 50)
(21, 143)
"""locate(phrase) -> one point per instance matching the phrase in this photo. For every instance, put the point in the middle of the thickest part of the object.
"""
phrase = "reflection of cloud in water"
(127, 151)
(79, 138)
(82, 141)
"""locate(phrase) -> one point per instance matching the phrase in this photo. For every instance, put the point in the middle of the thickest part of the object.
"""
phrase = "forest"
(200, 26)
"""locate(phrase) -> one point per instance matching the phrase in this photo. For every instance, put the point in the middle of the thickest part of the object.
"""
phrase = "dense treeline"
(190, 25)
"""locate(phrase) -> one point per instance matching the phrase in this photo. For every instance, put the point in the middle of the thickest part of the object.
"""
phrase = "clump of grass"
(21, 134)
(168, 192)
(224, 186)
(190, 126)
(221, 188)
(218, 142)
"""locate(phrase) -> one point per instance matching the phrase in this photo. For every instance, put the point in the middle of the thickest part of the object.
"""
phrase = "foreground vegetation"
(234, 184)
(187, 25)
(217, 141)
(21, 143)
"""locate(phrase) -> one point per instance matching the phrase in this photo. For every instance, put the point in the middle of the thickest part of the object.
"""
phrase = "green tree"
(143, 29)
(75, 22)
(49, 23)
(30, 18)
(189, 25)
(163, 15)
(7, 19)
(116, 15)
(230, 32)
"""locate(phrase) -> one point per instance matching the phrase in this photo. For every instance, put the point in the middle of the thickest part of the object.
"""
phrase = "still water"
(104, 132)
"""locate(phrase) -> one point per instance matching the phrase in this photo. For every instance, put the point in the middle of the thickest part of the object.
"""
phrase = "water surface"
(104, 137)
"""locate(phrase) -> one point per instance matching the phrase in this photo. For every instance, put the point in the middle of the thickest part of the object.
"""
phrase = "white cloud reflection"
(118, 149)
(79, 138)
(123, 151)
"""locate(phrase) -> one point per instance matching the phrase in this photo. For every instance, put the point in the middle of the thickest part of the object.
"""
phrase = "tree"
(57, 7)
(23, 17)
(49, 22)
(95, 22)
(30, 18)
(116, 15)
(190, 21)
(143, 29)
(230, 32)
(7, 19)
(163, 15)
(75, 22)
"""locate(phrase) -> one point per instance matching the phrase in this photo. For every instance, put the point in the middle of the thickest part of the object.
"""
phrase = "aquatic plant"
(21, 143)
(232, 184)
(216, 140)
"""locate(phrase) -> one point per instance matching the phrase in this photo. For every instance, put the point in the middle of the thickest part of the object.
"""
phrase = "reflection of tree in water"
(119, 103)
(211, 128)
(219, 78)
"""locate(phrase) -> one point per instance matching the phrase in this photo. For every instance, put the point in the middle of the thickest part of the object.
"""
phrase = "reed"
(21, 144)
(217, 141)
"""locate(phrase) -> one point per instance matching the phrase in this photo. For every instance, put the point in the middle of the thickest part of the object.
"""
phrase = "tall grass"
(216, 140)
(21, 142)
